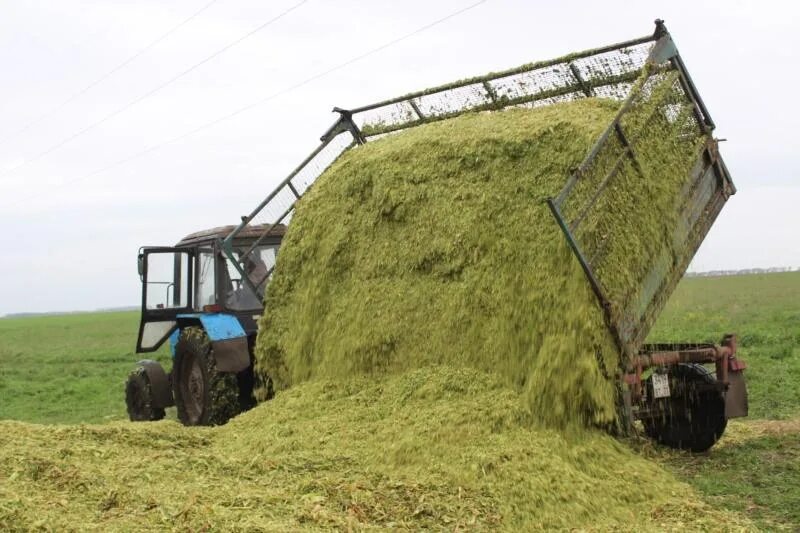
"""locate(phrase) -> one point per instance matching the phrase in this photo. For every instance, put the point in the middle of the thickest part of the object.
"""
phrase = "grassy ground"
(754, 469)
(71, 369)
(68, 368)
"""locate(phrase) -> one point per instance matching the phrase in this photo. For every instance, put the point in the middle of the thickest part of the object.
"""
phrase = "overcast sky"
(69, 234)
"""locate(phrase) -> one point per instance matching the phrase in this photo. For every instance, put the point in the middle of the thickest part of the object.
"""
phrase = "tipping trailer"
(679, 401)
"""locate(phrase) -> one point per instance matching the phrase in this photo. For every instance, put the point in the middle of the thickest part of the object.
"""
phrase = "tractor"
(196, 299)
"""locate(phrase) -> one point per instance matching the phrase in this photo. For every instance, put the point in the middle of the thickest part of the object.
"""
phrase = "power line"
(150, 93)
(266, 99)
(105, 76)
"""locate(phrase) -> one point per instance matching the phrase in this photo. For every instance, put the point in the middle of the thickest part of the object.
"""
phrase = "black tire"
(203, 395)
(139, 398)
(695, 417)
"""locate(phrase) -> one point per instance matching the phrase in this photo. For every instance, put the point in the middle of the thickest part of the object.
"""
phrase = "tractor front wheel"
(203, 395)
(139, 398)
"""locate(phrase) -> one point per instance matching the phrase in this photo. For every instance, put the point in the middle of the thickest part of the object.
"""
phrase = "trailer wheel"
(695, 415)
(203, 395)
(139, 398)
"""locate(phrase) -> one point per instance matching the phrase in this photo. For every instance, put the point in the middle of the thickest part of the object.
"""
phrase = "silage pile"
(435, 246)
(435, 448)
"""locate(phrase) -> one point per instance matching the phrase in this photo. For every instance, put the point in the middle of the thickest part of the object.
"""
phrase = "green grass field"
(67, 368)
(71, 369)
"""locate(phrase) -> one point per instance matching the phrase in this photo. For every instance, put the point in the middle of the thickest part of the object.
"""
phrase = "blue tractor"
(204, 298)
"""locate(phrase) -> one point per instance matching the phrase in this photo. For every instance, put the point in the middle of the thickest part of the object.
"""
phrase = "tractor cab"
(196, 277)
(204, 295)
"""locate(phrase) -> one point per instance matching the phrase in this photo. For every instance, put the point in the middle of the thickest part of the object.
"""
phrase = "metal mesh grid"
(661, 112)
(284, 197)
(388, 116)
(613, 63)
(311, 171)
(288, 217)
(279, 206)
(283, 200)
(609, 72)
(452, 101)
(534, 82)
(605, 73)
(585, 205)
(617, 91)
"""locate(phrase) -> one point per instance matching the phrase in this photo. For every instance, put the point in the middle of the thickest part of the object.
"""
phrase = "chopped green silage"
(436, 448)
(435, 246)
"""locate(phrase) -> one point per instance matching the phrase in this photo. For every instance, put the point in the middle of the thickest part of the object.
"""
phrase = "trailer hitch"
(729, 369)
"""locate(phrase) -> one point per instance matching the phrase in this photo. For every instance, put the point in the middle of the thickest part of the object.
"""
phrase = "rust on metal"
(248, 232)
(722, 355)
(729, 369)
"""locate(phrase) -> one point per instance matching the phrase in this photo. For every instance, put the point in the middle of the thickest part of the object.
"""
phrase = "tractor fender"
(159, 383)
(228, 339)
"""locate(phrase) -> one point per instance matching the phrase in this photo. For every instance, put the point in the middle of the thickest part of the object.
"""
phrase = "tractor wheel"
(695, 417)
(203, 395)
(139, 398)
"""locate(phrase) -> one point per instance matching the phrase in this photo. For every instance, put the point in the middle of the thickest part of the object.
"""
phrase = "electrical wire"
(153, 91)
(268, 98)
(105, 76)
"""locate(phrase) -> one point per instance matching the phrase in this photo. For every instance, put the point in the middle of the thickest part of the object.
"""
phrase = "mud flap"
(231, 355)
(159, 383)
(228, 339)
(736, 395)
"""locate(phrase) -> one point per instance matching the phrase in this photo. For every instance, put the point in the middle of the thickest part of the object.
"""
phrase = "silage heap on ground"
(435, 246)
(435, 448)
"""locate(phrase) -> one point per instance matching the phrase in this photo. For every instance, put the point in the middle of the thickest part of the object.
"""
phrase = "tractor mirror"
(140, 265)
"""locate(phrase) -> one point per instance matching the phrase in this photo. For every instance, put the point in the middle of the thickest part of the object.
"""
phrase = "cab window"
(205, 279)
(258, 266)
(167, 282)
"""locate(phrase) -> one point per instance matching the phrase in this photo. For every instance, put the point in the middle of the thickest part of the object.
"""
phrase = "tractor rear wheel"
(203, 395)
(139, 398)
(695, 415)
